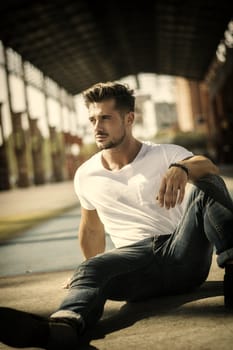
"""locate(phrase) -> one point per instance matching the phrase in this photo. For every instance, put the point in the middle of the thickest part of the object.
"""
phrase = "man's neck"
(116, 158)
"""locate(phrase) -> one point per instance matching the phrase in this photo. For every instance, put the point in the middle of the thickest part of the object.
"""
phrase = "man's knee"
(211, 184)
(214, 187)
(90, 270)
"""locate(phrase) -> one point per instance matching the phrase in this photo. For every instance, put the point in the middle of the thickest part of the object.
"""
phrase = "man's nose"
(98, 125)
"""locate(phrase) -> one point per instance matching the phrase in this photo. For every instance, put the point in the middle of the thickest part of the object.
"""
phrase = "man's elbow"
(213, 169)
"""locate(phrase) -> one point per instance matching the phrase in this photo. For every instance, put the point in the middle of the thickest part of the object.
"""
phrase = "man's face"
(108, 124)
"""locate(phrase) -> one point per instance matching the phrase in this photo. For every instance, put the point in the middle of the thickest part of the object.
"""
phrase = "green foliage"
(190, 139)
(193, 141)
(88, 150)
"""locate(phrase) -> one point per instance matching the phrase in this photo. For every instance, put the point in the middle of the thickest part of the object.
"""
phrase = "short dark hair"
(123, 96)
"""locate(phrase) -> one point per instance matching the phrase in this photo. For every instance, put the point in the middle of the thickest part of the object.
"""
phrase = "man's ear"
(130, 118)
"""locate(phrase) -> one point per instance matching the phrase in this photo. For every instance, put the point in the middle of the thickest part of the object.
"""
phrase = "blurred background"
(177, 55)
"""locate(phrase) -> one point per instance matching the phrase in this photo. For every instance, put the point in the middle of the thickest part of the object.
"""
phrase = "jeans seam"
(185, 215)
(216, 227)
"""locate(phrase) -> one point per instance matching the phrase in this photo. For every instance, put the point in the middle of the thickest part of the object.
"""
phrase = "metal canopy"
(80, 42)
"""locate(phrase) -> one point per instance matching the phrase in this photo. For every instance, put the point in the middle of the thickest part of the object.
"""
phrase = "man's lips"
(101, 136)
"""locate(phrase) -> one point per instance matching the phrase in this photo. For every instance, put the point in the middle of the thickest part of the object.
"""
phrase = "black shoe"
(21, 330)
(228, 286)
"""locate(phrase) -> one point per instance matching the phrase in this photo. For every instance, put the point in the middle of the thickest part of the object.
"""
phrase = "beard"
(112, 143)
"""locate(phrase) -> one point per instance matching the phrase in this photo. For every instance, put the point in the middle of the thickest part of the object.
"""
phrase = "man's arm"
(199, 166)
(173, 185)
(91, 237)
(91, 233)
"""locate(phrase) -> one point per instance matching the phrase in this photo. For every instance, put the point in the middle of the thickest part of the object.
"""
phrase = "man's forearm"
(91, 243)
(199, 166)
(172, 188)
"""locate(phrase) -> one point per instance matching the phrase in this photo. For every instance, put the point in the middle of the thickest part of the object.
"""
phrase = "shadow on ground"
(191, 321)
(130, 313)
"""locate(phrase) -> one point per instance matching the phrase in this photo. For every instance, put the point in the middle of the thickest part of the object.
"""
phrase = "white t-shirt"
(126, 199)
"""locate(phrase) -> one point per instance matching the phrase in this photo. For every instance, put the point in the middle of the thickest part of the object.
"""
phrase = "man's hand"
(172, 188)
(66, 284)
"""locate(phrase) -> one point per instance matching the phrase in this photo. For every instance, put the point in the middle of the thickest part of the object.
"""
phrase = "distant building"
(166, 115)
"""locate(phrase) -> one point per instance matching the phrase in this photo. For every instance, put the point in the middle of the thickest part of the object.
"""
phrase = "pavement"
(51, 245)
(22, 208)
(195, 321)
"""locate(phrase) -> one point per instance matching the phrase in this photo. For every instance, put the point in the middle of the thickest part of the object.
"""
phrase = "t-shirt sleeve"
(85, 203)
(175, 153)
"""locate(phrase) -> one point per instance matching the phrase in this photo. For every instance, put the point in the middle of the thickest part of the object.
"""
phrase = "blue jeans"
(165, 264)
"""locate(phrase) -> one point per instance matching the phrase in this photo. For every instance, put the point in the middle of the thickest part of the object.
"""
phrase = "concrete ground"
(22, 208)
(197, 320)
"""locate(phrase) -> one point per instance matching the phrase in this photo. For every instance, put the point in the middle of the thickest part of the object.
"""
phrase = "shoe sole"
(21, 329)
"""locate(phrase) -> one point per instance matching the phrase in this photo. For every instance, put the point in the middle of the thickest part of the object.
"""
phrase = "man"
(133, 190)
